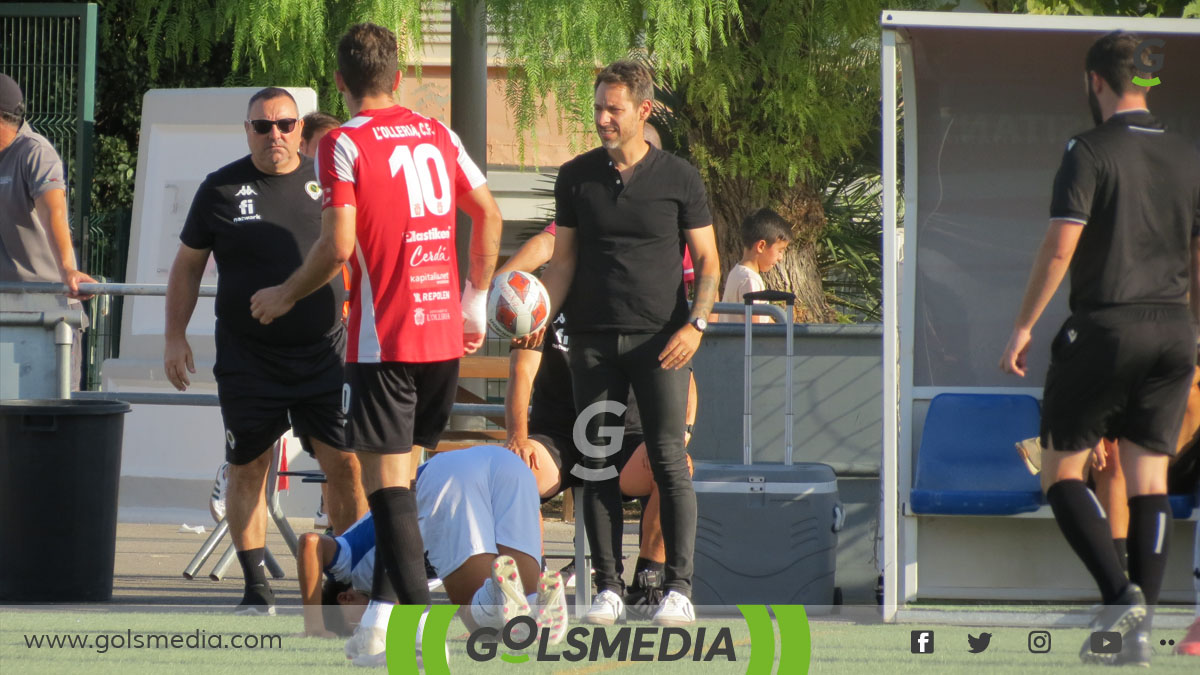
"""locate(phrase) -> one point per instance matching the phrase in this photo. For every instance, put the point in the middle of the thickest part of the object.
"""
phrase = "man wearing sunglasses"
(258, 216)
(392, 181)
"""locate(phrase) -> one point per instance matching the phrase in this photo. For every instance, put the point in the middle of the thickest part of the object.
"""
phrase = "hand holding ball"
(518, 305)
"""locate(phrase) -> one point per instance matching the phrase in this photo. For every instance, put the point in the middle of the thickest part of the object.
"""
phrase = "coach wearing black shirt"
(258, 216)
(1124, 216)
(624, 213)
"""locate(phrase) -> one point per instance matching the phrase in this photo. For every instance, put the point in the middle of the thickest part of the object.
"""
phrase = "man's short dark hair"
(318, 121)
(1112, 58)
(270, 93)
(765, 225)
(368, 58)
(331, 611)
(13, 119)
(636, 77)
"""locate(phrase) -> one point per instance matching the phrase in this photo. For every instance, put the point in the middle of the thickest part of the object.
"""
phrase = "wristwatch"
(699, 324)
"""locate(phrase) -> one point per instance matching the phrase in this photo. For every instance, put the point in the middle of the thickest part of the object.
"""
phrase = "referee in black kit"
(1125, 219)
(258, 216)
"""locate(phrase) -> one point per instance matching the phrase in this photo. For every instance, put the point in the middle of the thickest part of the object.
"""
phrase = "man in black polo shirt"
(624, 212)
(258, 217)
(1124, 215)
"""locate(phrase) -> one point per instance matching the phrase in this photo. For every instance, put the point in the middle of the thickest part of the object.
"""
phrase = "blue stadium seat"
(968, 464)
(1182, 506)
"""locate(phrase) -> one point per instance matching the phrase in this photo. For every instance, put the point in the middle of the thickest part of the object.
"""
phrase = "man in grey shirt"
(35, 239)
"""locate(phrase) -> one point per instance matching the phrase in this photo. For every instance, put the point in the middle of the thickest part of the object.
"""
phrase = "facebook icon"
(922, 642)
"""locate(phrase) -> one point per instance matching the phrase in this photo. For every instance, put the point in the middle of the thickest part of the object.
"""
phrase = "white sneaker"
(675, 610)
(552, 606)
(216, 502)
(320, 518)
(507, 597)
(367, 647)
(607, 609)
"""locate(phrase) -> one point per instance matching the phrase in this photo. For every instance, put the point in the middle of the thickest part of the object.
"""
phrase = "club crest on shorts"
(1071, 335)
(230, 439)
(313, 189)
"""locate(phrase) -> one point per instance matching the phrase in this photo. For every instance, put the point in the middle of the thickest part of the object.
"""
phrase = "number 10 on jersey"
(418, 165)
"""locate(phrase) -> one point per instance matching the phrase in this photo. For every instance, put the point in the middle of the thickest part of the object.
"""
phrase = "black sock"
(254, 566)
(1149, 531)
(381, 585)
(1082, 522)
(398, 545)
(1122, 552)
(647, 564)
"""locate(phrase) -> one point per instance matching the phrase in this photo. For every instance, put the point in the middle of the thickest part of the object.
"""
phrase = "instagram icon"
(1039, 642)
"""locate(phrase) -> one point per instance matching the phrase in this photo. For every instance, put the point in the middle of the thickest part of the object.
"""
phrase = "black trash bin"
(60, 462)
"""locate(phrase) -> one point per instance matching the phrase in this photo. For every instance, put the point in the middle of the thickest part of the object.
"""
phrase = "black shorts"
(565, 455)
(390, 407)
(265, 389)
(1123, 373)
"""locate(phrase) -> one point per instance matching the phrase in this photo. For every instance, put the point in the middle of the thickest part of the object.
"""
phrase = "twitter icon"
(978, 644)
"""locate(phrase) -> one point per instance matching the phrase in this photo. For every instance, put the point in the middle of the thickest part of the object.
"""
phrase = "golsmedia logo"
(519, 642)
(1152, 63)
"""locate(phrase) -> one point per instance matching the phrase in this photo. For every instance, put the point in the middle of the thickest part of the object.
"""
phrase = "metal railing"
(64, 337)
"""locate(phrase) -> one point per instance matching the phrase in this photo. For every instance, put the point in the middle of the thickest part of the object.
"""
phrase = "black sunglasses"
(285, 125)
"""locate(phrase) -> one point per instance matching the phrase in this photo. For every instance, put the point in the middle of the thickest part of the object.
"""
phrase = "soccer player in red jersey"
(391, 179)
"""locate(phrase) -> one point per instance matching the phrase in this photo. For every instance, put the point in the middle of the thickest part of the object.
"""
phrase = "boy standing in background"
(765, 238)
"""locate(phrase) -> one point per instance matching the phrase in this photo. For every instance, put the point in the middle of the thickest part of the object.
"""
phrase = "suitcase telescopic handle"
(747, 417)
(769, 296)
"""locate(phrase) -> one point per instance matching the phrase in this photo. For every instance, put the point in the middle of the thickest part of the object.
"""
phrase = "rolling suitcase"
(766, 533)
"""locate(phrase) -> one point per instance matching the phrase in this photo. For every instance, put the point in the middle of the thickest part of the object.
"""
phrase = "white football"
(518, 305)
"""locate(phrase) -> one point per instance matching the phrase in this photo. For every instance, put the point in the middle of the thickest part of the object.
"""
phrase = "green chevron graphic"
(762, 639)
(402, 641)
(795, 638)
(433, 643)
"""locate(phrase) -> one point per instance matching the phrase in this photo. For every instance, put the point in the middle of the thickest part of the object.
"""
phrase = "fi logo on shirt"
(1151, 63)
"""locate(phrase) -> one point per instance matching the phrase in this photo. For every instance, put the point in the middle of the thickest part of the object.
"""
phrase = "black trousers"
(603, 368)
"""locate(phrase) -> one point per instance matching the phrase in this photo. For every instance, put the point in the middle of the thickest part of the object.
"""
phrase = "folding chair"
(222, 528)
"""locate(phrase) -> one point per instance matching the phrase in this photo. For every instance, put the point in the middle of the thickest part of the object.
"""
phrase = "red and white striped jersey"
(402, 172)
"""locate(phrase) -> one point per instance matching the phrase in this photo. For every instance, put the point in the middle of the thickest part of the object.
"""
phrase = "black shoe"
(568, 569)
(258, 600)
(430, 573)
(1125, 616)
(1135, 651)
(645, 595)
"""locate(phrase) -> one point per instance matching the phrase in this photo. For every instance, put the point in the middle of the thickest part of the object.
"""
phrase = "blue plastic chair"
(968, 463)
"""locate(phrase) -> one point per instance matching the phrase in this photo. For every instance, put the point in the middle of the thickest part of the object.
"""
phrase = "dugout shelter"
(977, 112)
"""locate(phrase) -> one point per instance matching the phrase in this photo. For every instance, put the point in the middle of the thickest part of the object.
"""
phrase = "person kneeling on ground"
(478, 513)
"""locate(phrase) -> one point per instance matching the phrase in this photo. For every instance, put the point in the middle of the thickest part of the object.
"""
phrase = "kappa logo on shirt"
(246, 191)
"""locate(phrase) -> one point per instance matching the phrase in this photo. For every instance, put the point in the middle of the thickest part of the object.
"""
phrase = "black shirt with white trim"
(260, 227)
(630, 240)
(1135, 189)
